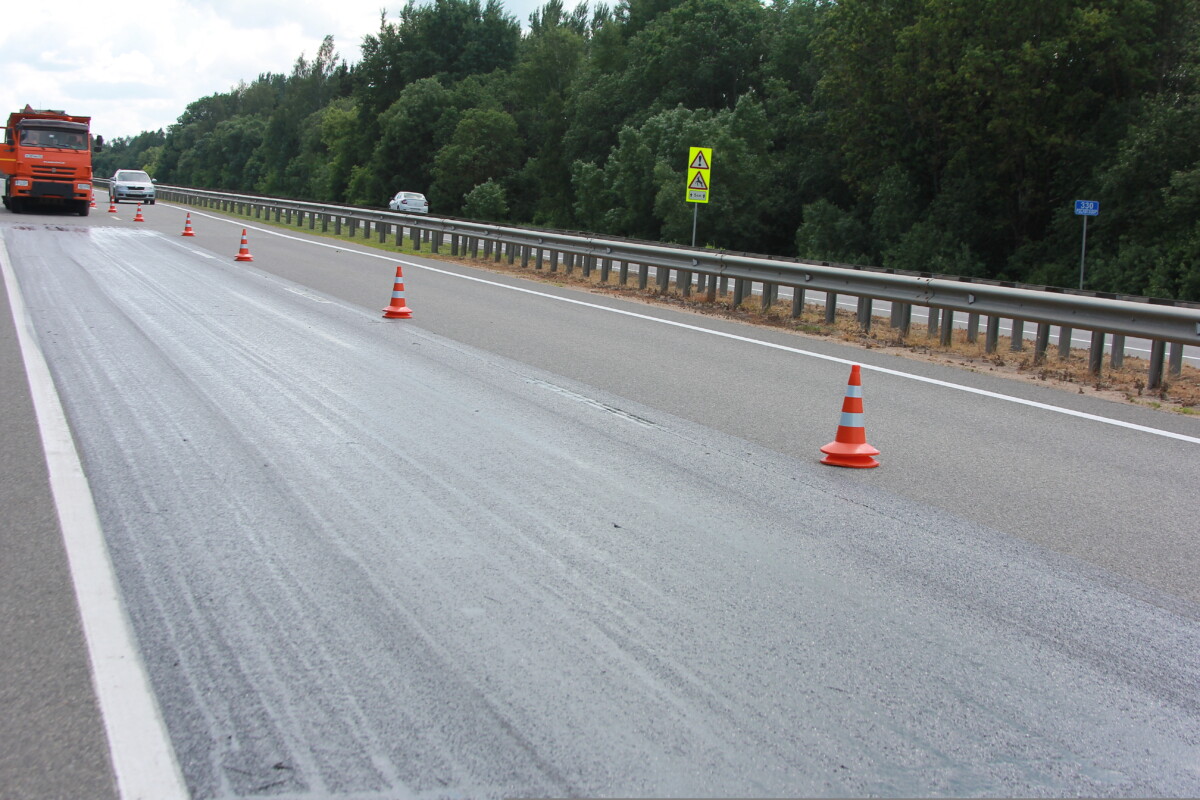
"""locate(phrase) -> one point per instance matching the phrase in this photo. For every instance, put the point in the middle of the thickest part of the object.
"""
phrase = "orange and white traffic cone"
(849, 447)
(398, 309)
(92, 202)
(187, 226)
(112, 207)
(138, 216)
(244, 252)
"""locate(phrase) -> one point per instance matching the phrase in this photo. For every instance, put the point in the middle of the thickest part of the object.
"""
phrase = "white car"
(409, 203)
(131, 184)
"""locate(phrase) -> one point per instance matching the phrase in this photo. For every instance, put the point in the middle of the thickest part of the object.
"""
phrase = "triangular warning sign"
(699, 162)
(698, 182)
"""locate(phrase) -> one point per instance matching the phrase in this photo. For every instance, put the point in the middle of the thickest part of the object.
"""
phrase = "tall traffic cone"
(187, 226)
(398, 309)
(112, 206)
(849, 448)
(244, 252)
(138, 216)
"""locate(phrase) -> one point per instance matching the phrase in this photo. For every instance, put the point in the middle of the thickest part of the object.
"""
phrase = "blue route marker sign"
(1087, 208)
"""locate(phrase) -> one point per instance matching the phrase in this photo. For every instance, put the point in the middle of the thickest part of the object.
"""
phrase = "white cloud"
(136, 67)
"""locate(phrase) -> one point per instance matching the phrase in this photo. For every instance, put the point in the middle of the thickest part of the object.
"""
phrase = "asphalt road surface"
(523, 546)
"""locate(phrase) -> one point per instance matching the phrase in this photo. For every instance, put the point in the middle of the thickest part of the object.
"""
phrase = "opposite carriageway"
(1167, 325)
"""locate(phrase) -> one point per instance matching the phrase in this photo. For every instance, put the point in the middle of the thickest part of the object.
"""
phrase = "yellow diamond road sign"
(699, 180)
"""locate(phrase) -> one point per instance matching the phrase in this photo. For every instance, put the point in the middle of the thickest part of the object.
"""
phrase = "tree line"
(946, 136)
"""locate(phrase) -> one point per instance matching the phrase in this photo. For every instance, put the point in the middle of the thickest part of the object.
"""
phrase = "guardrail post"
(933, 319)
(1158, 349)
(767, 296)
(454, 244)
(1096, 353)
(568, 260)
(416, 239)
(643, 275)
(739, 291)
(498, 249)
(435, 242)
(972, 328)
(1041, 343)
(664, 278)
(487, 249)
(337, 224)
(554, 261)
(991, 339)
(797, 302)
(366, 228)
(864, 313)
(683, 282)
(278, 214)
(605, 269)
(1017, 343)
(538, 261)
(353, 227)
(383, 232)
(623, 274)
(904, 323)
(312, 221)
(510, 250)
(1064, 342)
(1117, 358)
(947, 327)
(1176, 360)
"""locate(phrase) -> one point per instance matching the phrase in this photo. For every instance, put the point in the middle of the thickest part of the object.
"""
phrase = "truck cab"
(46, 159)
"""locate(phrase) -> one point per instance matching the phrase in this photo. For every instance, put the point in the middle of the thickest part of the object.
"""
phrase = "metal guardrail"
(702, 271)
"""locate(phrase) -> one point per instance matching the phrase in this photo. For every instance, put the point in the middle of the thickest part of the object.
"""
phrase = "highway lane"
(1038, 476)
(364, 555)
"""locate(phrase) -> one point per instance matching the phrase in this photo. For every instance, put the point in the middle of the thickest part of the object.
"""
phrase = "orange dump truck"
(46, 159)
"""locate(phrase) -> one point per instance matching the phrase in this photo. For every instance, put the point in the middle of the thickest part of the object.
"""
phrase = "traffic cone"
(244, 252)
(138, 216)
(112, 207)
(398, 309)
(849, 448)
(187, 226)
(92, 202)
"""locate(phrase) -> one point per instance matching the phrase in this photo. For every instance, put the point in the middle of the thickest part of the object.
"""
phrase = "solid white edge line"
(143, 760)
(895, 373)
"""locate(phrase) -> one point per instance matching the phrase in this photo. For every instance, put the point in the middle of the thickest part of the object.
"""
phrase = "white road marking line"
(139, 745)
(762, 343)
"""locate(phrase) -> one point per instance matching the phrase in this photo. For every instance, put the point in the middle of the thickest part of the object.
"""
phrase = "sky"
(135, 65)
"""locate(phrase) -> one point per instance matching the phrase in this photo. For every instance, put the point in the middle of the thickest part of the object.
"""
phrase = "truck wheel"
(83, 208)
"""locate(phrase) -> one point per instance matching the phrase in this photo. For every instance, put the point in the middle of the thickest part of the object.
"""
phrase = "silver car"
(131, 184)
(409, 203)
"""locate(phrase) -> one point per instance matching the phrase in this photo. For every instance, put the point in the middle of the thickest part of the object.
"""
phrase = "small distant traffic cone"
(138, 216)
(849, 448)
(112, 207)
(398, 309)
(187, 226)
(244, 252)
(92, 203)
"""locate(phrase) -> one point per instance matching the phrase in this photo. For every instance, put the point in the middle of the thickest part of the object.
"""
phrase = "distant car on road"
(131, 184)
(409, 203)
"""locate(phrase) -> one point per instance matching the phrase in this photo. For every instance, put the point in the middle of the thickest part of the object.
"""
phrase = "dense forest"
(948, 136)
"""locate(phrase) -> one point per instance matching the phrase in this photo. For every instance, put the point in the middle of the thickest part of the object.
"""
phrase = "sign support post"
(1085, 209)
